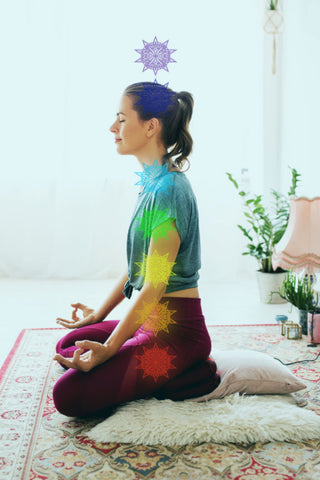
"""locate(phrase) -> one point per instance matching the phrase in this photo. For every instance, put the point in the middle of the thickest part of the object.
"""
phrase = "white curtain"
(66, 195)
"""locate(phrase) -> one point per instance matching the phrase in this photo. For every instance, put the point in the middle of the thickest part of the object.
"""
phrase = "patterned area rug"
(39, 443)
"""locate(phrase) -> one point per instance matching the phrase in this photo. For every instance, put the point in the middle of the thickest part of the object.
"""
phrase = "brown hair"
(173, 109)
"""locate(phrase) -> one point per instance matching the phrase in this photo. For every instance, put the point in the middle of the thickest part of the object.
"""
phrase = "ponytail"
(174, 111)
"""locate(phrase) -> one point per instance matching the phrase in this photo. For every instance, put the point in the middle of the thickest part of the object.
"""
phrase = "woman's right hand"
(89, 317)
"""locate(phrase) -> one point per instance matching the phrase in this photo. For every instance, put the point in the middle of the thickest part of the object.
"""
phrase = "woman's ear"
(153, 127)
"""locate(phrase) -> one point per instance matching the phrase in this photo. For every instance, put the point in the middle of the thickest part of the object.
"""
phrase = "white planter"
(270, 282)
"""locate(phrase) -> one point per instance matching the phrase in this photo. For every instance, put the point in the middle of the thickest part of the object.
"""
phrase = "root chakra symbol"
(155, 56)
(155, 362)
(155, 268)
(156, 317)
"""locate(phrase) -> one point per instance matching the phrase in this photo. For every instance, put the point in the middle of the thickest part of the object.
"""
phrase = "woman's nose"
(113, 128)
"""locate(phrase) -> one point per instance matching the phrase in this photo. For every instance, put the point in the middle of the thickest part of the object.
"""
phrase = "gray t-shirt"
(169, 196)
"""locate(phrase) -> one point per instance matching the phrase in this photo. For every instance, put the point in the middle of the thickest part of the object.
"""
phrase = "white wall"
(66, 195)
(300, 106)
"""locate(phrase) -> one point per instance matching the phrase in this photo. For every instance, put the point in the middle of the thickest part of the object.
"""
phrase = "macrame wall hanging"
(274, 24)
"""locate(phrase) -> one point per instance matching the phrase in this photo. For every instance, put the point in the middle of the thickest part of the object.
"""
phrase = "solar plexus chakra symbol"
(155, 224)
(155, 268)
(155, 362)
(151, 174)
(156, 316)
(155, 56)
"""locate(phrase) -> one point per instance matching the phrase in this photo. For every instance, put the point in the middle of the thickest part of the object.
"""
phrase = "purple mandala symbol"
(155, 56)
(155, 98)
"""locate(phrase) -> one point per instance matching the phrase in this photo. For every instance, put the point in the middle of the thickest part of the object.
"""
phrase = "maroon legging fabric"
(168, 364)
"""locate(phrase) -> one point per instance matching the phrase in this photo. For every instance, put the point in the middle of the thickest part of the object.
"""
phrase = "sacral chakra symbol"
(156, 316)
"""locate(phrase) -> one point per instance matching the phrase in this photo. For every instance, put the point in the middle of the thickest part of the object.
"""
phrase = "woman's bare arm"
(162, 253)
(115, 297)
(157, 270)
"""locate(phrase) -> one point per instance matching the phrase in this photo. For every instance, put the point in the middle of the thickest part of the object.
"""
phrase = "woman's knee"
(67, 397)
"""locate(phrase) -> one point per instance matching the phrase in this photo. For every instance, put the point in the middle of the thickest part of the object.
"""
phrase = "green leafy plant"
(265, 228)
(299, 292)
(273, 5)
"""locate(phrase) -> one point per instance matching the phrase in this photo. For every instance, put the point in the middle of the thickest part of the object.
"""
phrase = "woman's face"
(131, 133)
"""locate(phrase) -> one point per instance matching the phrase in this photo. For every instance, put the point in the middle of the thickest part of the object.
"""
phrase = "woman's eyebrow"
(121, 113)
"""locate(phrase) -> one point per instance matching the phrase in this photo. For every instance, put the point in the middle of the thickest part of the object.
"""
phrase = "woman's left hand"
(98, 353)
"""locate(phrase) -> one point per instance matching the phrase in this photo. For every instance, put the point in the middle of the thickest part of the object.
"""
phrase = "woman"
(161, 347)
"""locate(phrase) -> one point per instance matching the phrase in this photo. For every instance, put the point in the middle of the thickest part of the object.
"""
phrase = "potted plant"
(274, 25)
(273, 4)
(264, 229)
(299, 292)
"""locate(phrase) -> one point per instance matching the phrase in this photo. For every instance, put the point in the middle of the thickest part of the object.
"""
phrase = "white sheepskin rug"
(241, 419)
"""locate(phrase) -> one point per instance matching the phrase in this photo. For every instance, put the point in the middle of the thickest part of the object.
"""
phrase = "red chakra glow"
(155, 362)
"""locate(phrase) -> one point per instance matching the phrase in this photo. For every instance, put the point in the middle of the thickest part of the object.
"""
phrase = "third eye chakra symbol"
(155, 56)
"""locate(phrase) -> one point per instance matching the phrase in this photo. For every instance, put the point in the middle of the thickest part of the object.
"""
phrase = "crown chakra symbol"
(155, 56)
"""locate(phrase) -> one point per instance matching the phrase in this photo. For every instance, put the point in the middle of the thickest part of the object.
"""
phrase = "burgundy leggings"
(171, 363)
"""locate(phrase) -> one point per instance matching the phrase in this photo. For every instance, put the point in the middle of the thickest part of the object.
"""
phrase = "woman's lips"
(117, 140)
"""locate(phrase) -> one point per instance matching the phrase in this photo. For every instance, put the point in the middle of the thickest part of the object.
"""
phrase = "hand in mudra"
(98, 353)
(88, 317)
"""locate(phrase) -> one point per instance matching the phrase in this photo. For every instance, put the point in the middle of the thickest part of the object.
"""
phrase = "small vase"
(303, 321)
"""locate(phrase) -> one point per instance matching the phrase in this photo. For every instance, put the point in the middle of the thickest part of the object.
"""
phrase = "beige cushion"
(248, 371)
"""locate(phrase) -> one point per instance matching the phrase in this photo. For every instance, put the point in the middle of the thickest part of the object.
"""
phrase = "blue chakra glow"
(155, 56)
(155, 98)
(155, 177)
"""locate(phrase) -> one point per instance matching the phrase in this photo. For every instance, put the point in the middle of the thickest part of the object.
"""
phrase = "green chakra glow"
(154, 217)
(161, 231)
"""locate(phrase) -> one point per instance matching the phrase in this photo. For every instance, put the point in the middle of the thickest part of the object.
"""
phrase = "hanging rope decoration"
(274, 25)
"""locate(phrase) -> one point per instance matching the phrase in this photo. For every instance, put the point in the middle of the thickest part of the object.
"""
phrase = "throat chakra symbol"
(156, 316)
(153, 172)
(155, 268)
(155, 362)
(155, 56)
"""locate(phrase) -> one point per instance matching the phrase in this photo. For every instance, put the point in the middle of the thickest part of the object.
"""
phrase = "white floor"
(37, 304)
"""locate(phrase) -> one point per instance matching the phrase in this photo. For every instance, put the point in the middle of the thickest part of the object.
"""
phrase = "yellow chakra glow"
(156, 316)
(156, 268)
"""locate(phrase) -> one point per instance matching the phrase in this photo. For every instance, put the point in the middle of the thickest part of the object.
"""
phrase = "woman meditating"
(161, 347)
